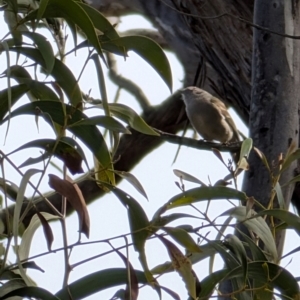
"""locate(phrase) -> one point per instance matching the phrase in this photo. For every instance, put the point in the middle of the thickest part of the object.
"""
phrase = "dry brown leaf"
(47, 230)
(74, 196)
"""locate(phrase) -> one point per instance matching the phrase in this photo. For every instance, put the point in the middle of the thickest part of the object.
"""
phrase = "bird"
(209, 116)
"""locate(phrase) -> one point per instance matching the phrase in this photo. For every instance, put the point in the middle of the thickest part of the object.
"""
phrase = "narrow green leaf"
(258, 225)
(210, 282)
(289, 218)
(11, 285)
(159, 220)
(207, 250)
(149, 50)
(279, 195)
(37, 90)
(187, 177)
(281, 279)
(139, 223)
(43, 46)
(104, 121)
(244, 154)
(293, 180)
(205, 193)
(62, 74)
(100, 22)
(263, 159)
(10, 188)
(257, 253)
(29, 232)
(88, 134)
(42, 8)
(31, 292)
(97, 282)
(66, 149)
(288, 160)
(94, 140)
(139, 227)
(236, 246)
(16, 218)
(133, 181)
(73, 11)
(231, 264)
(14, 5)
(183, 238)
(129, 116)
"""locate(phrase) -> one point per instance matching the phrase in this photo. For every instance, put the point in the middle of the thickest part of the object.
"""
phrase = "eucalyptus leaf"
(256, 224)
(205, 193)
(96, 282)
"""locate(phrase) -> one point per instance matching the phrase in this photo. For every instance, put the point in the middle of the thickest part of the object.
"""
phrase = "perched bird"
(209, 116)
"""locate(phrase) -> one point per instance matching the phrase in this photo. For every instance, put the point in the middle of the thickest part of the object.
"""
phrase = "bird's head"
(188, 94)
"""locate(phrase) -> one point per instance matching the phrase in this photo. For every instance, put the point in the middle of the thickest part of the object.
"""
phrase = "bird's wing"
(224, 112)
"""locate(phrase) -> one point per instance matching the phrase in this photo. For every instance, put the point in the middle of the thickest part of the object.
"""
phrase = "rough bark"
(274, 120)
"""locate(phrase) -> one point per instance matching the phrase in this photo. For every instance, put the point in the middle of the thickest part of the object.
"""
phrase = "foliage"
(251, 266)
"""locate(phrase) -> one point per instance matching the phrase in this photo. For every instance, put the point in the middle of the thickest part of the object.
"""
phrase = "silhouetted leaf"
(100, 22)
(47, 230)
(289, 218)
(205, 193)
(187, 177)
(16, 218)
(16, 93)
(44, 47)
(133, 181)
(282, 280)
(10, 188)
(75, 197)
(289, 159)
(258, 225)
(244, 154)
(147, 49)
(88, 134)
(29, 265)
(66, 149)
(61, 73)
(139, 226)
(71, 10)
(29, 232)
(10, 286)
(236, 246)
(97, 282)
(37, 90)
(159, 220)
(30, 292)
(104, 121)
(183, 238)
(132, 286)
(129, 116)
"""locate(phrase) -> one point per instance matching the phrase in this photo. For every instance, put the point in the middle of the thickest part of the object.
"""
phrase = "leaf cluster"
(251, 263)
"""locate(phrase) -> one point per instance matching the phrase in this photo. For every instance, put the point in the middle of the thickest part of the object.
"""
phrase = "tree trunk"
(274, 119)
